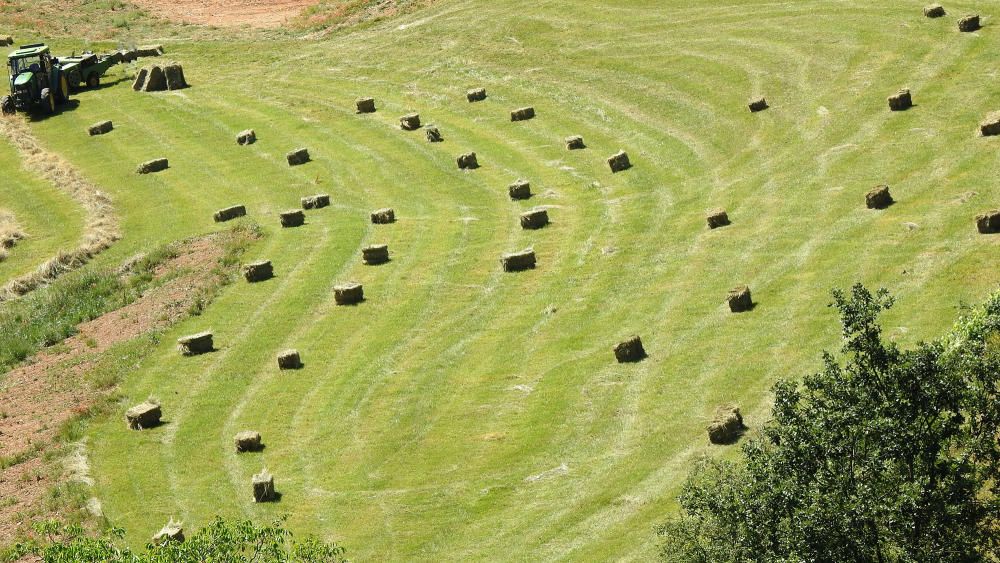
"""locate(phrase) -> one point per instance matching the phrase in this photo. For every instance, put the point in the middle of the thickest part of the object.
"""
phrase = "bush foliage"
(885, 455)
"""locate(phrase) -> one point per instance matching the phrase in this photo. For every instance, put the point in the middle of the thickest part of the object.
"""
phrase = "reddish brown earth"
(52, 387)
(228, 13)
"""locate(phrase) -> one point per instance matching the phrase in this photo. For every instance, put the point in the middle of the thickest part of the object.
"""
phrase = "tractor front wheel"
(48, 101)
(93, 81)
(7, 105)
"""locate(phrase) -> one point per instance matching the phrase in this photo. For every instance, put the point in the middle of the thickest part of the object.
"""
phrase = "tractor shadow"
(69, 106)
(106, 82)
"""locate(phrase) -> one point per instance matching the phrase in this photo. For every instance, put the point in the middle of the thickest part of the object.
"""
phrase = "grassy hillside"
(464, 413)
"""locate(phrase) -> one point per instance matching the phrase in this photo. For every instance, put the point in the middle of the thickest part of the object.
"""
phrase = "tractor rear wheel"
(48, 101)
(93, 81)
(62, 93)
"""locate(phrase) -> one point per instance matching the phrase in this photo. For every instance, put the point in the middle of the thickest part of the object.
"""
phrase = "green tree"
(220, 542)
(885, 455)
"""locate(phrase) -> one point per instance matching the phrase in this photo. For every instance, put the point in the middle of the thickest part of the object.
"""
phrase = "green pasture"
(461, 413)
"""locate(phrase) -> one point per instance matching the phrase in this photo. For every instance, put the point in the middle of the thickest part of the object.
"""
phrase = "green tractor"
(36, 80)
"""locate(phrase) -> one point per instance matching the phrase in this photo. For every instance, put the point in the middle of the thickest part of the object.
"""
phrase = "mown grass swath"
(460, 411)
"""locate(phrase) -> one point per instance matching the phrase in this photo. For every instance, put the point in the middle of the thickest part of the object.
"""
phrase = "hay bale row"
(520, 189)
(100, 128)
(717, 218)
(619, 162)
(989, 222)
(246, 137)
(522, 114)
(297, 157)
(348, 293)
(727, 426)
(629, 350)
(410, 122)
(534, 219)
(878, 198)
(739, 299)
(575, 142)
(248, 441)
(364, 105)
(151, 166)
(467, 161)
(258, 271)
(375, 254)
(383, 216)
(292, 218)
(263, 487)
(476, 94)
(518, 261)
(194, 344)
(900, 101)
(144, 415)
(317, 201)
(229, 213)
(289, 359)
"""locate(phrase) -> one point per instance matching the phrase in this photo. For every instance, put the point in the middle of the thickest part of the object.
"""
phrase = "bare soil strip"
(39, 397)
(228, 13)
(102, 226)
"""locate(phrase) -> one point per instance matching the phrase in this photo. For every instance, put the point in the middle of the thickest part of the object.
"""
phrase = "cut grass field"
(464, 413)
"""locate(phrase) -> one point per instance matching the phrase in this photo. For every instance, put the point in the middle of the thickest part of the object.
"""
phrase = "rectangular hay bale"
(518, 261)
(410, 122)
(364, 105)
(383, 216)
(467, 161)
(348, 294)
(522, 114)
(375, 254)
(151, 166)
(194, 344)
(520, 189)
(229, 213)
(100, 128)
(534, 219)
(143, 416)
(292, 218)
(476, 94)
(619, 162)
(258, 271)
(297, 157)
(317, 201)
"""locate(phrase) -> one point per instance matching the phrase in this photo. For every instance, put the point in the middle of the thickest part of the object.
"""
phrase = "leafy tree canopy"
(885, 455)
(220, 542)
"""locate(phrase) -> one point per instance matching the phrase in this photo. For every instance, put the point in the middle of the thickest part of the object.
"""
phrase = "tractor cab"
(35, 79)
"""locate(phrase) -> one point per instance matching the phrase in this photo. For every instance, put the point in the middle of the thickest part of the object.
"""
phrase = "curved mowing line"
(101, 230)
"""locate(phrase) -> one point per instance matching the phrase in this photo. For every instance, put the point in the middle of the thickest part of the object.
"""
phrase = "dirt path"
(39, 397)
(228, 13)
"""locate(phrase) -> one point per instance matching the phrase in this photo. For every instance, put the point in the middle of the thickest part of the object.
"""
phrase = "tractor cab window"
(17, 66)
